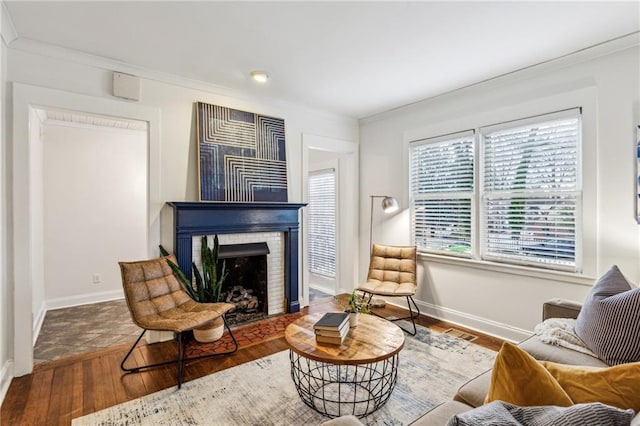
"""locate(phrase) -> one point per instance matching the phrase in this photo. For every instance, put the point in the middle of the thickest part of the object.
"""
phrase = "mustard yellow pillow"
(618, 386)
(518, 378)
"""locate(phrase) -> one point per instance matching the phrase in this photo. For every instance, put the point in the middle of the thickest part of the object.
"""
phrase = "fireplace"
(240, 223)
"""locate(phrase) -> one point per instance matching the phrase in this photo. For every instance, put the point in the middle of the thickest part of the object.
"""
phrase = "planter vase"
(210, 332)
(353, 319)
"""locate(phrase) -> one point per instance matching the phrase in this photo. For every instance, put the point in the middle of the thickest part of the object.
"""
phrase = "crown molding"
(7, 30)
(75, 56)
(107, 64)
(605, 48)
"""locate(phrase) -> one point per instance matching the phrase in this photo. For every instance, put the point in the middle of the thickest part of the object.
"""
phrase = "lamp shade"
(389, 204)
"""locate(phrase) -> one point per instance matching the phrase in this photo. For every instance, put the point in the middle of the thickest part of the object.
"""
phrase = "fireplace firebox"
(246, 284)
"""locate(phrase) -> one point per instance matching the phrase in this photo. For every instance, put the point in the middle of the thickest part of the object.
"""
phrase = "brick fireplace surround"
(195, 219)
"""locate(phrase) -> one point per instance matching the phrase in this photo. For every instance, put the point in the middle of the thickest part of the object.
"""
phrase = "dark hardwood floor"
(58, 391)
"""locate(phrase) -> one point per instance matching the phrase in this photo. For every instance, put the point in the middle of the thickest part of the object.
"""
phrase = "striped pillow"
(609, 322)
(505, 414)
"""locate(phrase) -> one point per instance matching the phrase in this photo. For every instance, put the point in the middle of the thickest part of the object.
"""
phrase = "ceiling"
(350, 58)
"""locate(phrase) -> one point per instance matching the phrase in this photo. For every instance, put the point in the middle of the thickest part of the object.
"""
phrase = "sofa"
(582, 366)
(472, 394)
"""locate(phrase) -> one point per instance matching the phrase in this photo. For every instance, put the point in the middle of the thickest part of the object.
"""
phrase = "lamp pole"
(389, 204)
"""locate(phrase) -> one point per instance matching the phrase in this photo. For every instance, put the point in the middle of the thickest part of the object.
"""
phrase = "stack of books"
(332, 328)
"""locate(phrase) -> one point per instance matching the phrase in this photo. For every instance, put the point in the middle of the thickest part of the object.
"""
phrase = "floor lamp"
(389, 205)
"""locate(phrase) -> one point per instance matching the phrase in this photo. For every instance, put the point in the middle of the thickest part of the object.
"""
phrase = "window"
(528, 197)
(322, 223)
(531, 192)
(441, 176)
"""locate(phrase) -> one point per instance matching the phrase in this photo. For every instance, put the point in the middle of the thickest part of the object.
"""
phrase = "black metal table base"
(338, 390)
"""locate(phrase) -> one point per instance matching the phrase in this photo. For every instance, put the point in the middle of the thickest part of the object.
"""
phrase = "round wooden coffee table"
(356, 377)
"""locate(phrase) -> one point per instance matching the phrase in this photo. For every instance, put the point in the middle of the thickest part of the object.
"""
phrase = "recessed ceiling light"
(260, 76)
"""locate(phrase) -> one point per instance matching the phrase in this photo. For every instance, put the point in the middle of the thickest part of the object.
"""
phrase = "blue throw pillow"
(609, 322)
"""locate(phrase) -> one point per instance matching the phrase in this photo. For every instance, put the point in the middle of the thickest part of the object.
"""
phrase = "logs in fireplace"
(246, 284)
(242, 298)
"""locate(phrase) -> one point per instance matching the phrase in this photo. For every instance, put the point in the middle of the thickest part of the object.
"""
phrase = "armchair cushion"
(392, 271)
(157, 300)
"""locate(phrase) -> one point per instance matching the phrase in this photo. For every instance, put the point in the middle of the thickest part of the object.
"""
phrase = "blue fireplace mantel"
(194, 219)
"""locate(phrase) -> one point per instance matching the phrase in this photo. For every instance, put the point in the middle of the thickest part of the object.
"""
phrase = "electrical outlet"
(97, 279)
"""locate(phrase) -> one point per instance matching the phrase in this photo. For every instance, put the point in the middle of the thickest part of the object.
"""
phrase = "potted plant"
(206, 287)
(355, 305)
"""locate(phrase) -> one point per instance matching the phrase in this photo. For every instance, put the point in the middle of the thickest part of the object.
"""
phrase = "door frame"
(347, 210)
(27, 196)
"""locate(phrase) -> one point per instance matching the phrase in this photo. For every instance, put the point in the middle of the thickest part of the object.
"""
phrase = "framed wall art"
(241, 155)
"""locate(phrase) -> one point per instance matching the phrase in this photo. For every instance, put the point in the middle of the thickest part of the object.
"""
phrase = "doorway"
(334, 161)
(94, 169)
(28, 198)
(322, 207)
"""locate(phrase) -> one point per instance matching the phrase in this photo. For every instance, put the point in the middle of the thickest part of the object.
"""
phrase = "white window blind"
(442, 185)
(322, 223)
(532, 191)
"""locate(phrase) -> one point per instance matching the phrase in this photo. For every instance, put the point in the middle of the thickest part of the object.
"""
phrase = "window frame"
(448, 120)
(577, 191)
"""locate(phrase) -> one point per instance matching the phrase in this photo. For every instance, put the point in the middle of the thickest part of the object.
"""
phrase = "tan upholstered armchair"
(392, 272)
(157, 301)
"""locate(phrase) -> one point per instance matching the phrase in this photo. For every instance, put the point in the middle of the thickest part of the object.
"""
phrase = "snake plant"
(207, 284)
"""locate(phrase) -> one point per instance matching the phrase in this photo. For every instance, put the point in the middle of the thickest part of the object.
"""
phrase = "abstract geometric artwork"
(241, 155)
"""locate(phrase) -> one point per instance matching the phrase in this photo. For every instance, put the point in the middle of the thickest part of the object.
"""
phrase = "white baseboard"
(6, 374)
(486, 326)
(322, 288)
(84, 299)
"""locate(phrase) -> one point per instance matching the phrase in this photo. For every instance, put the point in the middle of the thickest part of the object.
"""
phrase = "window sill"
(568, 277)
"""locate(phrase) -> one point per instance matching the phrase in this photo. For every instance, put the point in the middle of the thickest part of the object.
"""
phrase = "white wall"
(176, 103)
(507, 301)
(105, 178)
(176, 157)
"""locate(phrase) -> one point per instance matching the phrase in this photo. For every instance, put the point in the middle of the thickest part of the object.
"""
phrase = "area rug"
(246, 335)
(432, 366)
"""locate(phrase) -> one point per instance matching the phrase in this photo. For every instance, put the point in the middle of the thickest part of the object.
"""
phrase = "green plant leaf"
(182, 278)
(357, 303)
(199, 284)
